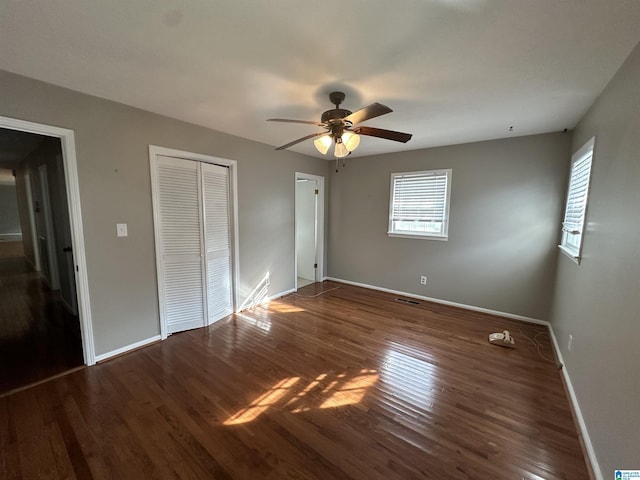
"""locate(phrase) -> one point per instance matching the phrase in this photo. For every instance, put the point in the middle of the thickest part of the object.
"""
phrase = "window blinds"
(577, 197)
(420, 203)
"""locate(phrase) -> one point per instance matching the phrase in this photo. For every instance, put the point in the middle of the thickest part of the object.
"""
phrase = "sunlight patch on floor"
(410, 378)
(281, 307)
(325, 391)
(352, 391)
(263, 402)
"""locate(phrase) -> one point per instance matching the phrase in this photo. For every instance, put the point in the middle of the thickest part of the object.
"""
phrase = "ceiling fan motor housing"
(334, 114)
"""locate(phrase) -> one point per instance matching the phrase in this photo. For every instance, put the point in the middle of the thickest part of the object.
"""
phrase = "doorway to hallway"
(309, 229)
(40, 328)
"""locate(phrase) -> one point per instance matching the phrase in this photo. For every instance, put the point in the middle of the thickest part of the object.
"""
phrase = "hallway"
(39, 338)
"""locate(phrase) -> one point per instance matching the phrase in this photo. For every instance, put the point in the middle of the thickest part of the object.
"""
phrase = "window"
(576, 208)
(419, 205)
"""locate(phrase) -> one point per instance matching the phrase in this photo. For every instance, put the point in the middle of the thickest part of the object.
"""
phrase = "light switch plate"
(121, 230)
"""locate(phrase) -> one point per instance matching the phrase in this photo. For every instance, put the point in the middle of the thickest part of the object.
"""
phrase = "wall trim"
(511, 316)
(127, 348)
(265, 300)
(582, 426)
(282, 294)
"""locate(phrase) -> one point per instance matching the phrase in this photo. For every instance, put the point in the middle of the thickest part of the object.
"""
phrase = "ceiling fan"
(341, 127)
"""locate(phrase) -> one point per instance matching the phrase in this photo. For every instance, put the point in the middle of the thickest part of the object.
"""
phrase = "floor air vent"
(407, 300)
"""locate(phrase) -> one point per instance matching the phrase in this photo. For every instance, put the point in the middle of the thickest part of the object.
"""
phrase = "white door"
(181, 269)
(306, 241)
(217, 228)
(193, 242)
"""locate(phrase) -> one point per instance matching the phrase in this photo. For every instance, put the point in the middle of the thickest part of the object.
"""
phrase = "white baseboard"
(266, 300)
(10, 237)
(281, 294)
(443, 302)
(591, 453)
(128, 348)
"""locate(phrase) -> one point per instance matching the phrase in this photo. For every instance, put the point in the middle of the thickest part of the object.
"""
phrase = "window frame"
(444, 235)
(571, 241)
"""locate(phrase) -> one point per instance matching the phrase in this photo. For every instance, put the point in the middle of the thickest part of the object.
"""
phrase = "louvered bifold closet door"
(217, 227)
(181, 244)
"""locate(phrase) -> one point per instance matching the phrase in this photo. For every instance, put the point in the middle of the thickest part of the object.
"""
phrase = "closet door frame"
(154, 151)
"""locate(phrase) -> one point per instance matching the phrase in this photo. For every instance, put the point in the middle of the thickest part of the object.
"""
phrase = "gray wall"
(113, 167)
(597, 301)
(9, 215)
(506, 202)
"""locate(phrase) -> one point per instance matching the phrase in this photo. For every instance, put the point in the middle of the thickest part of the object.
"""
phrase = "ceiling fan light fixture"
(350, 140)
(323, 143)
(341, 150)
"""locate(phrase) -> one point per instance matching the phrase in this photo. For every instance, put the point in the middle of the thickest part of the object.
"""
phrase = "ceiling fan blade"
(368, 112)
(381, 133)
(308, 122)
(291, 144)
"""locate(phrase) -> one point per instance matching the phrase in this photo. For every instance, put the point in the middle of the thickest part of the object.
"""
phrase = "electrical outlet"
(423, 280)
(570, 342)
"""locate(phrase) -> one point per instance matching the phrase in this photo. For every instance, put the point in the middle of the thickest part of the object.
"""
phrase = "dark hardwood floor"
(39, 338)
(345, 384)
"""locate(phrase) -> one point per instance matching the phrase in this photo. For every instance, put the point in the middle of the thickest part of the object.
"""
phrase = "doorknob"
(67, 249)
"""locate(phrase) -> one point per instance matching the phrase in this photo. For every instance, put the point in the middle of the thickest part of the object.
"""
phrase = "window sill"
(569, 253)
(422, 237)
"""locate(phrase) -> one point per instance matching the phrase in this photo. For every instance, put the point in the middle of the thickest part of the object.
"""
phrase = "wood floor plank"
(333, 382)
(9, 456)
(39, 338)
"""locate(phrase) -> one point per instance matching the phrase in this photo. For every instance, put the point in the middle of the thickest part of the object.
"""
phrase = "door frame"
(67, 141)
(45, 201)
(154, 151)
(319, 227)
(32, 221)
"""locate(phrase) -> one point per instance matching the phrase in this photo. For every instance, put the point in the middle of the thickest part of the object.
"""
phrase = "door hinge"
(315, 265)
(317, 191)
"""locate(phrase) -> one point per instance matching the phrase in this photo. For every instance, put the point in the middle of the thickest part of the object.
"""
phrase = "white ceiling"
(453, 71)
